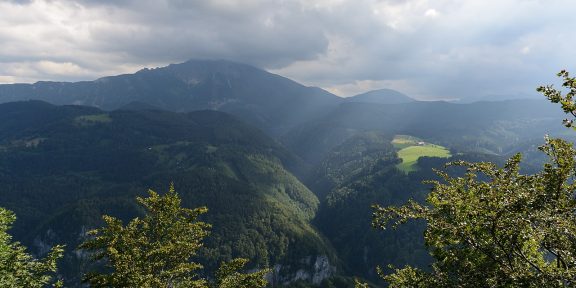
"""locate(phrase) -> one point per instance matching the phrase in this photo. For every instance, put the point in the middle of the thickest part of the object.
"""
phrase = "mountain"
(62, 167)
(381, 96)
(266, 100)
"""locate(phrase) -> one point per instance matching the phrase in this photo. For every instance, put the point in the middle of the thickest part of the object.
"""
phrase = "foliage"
(154, 251)
(157, 250)
(17, 267)
(566, 100)
(358, 284)
(228, 276)
(495, 227)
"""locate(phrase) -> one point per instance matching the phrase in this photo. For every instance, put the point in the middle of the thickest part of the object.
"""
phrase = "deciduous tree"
(495, 227)
(20, 269)
(565, 99)
(158, 249)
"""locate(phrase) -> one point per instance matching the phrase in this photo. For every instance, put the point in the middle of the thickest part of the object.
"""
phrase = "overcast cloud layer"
(429, 49)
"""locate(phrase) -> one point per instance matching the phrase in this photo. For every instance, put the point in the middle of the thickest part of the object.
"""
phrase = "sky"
(428, 49)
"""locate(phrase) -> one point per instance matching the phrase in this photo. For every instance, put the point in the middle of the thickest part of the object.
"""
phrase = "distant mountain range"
(269, 101)
(289, 111)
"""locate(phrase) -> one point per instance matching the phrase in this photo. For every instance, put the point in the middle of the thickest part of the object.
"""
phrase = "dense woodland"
(290, 192)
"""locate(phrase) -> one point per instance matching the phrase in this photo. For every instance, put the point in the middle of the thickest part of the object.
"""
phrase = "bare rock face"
(322, 269)
(317, 268)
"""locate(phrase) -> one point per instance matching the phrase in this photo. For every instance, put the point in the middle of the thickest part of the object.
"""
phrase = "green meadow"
(411, 149)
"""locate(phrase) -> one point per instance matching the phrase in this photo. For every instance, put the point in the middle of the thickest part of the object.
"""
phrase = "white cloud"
(431, 13)
(62, 68)
(7, 79)
(525, 50)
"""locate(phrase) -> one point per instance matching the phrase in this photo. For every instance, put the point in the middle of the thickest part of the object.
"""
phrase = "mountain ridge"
(268, 101)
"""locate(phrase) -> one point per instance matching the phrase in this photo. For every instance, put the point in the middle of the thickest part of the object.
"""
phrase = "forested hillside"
(64, 167)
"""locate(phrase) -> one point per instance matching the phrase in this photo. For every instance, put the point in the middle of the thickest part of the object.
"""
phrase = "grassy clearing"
(412, 148)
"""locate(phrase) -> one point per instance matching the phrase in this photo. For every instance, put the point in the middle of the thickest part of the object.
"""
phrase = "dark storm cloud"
(92, 37)
(264, 33)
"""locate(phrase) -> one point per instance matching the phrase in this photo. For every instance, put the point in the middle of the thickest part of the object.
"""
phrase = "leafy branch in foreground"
(228, 276)
(20, 269)
(157, 250)
(566, 100)
(495, 227)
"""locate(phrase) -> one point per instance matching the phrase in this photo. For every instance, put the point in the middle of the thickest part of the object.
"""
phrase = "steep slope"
(381, 96)
(62, 167)
(269, 101)
(355, 175)
(347, 160)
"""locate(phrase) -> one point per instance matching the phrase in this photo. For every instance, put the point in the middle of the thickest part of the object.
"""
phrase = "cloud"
(99, 36)
(427, 49)
(468, 49)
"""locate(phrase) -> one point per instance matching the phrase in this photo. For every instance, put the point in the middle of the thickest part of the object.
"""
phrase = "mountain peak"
(195, 70)
(381, 96)
(211, 65)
